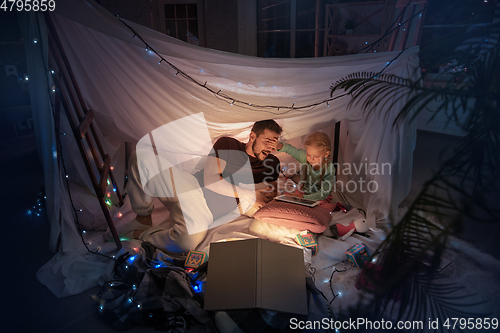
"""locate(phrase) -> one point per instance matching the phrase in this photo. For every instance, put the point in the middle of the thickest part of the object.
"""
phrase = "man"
(228, 157)
(237, 177)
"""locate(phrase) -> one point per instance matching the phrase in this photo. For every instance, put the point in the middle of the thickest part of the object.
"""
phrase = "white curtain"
(132, 94)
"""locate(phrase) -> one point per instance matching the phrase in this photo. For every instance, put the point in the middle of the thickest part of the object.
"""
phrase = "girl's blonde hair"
(319, 140)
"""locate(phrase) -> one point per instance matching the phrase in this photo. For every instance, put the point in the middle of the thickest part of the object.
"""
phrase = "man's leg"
(173, 236)
(142, 203)
(169, 185)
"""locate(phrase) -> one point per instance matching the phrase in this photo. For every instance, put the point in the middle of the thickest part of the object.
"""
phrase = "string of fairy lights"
(218, 93)
(59, 154)
(37, 209)
(396, 24)
(125, 271)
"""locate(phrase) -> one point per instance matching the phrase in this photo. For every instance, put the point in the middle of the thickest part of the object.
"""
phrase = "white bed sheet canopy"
(132, 94)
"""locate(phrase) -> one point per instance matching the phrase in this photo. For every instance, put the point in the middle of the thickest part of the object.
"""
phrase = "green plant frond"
(375, 91)
(459, 189)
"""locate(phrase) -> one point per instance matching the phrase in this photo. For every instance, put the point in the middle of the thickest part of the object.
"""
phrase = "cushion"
(272, 232)
(314, 219)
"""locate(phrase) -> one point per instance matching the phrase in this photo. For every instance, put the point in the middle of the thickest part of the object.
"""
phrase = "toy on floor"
(343, 225)
(195, 259)
(308, 240)
(358, 255)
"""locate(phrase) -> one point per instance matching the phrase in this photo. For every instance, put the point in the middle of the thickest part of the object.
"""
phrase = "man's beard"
(258, 154)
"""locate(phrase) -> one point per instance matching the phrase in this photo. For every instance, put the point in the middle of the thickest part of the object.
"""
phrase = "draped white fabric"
(132, 94)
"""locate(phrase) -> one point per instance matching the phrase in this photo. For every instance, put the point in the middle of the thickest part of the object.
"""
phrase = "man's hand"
(265, 195)
(262, 196)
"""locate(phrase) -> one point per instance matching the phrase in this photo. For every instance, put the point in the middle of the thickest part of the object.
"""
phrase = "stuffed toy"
(344, 224)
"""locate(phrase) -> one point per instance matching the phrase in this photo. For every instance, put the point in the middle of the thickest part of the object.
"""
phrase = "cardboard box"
(256, 273)
(357, 255)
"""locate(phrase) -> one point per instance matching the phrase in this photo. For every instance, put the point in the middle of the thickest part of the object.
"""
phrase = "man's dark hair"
(259, 126)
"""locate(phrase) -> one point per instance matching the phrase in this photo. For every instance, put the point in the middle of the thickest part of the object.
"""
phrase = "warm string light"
(61, 157)
(335, 270)
(391, 30)
(53, 89)
(127, 290)
(230, 100)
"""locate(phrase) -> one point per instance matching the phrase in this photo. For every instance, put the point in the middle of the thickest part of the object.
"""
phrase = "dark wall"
(143, 12)
(221, 19)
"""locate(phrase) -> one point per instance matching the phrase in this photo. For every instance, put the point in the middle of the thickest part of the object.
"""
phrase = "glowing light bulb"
(120, 214)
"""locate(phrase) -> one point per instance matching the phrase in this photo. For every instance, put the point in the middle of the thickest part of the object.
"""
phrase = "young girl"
(317, 176)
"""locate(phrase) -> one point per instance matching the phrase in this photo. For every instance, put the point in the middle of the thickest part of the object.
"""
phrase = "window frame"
(200, 12)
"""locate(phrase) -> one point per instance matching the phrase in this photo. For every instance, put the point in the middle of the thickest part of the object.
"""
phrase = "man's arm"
(214, 182)
(213, 178)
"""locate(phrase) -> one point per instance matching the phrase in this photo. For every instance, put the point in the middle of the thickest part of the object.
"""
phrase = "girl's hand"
(296, 193)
